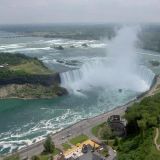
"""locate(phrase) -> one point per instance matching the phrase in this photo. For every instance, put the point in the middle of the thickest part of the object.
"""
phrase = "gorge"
(120, 69)
(104, 75)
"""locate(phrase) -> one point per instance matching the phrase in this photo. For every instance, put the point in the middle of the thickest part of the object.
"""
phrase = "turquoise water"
(26, 121)
(23, 122)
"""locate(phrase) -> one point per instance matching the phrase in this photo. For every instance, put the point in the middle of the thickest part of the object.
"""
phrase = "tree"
(142, 126)
(106, 133)
(49, 146)
(152, 121)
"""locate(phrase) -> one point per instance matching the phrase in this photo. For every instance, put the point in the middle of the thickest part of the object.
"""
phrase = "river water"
(23, 122)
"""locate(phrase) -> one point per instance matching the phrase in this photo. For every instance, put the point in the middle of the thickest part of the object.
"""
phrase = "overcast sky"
(77, 11)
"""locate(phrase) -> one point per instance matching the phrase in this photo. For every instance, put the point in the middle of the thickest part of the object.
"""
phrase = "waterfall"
(147, 75)
(101, 74)
(120, 68)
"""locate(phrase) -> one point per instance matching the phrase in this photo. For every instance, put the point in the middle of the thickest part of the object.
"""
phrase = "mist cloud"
(96, 11)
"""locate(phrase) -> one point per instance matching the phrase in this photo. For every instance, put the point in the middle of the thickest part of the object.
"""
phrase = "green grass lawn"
(21, 65)
(66, 146)
(79, 139)
(44, 157)
(31, 67)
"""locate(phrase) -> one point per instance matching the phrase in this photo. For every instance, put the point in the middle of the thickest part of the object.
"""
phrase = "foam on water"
(99, 74)
(17, 139)
(66, 43)
(10, 46)
(49, 45)
(121, 70)
(95, 77)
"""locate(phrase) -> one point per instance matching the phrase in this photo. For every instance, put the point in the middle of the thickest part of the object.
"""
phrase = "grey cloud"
(54, 11)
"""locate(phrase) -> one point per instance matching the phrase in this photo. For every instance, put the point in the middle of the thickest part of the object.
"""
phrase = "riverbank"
(82, 127)
(31, 91)
(25, 77)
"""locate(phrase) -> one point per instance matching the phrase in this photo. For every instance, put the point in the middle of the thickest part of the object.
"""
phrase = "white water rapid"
(120, 69)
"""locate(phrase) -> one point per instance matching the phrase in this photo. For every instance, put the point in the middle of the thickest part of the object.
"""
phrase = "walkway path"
(82, 127)
(156, 138)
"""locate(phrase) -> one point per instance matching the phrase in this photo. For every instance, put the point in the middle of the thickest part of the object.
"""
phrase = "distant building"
(117, 125)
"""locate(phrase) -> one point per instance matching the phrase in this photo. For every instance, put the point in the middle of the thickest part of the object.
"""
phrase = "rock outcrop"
(59, 47)
(45, 80)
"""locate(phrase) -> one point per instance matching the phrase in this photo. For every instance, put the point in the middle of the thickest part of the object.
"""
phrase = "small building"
(117, 125)
(114, 118)
(84, 151)
(88, 155)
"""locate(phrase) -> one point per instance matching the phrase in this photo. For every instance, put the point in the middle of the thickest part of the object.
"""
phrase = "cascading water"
(120, 68)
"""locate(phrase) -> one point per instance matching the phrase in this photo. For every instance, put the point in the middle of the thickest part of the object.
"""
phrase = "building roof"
(114, 118)
(76, 151)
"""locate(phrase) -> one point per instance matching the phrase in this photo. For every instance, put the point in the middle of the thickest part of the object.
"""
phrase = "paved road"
(83, 126)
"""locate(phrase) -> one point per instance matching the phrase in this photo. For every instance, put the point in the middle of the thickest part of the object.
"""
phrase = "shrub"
(49, 146)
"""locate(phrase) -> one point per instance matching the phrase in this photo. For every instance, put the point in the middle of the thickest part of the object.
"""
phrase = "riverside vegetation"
(26, 77)
(142, 119)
